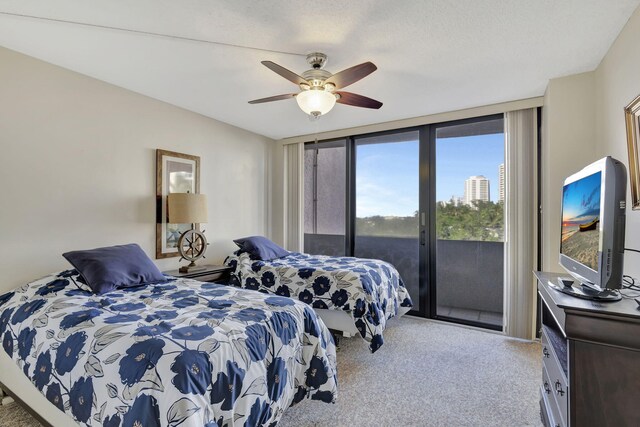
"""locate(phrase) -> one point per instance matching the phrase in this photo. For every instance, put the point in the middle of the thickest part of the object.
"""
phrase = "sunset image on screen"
(581, 220)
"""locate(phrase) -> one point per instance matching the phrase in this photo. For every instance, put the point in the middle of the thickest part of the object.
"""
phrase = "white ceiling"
(432, 55)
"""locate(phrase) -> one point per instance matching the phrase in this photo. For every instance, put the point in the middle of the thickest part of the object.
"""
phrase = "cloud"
(590, 202)
(372, 198)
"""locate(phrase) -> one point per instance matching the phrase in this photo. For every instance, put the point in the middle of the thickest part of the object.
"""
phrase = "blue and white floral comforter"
(180, 353)
(370, 290)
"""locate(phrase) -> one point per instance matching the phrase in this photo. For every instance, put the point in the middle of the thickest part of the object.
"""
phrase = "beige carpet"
(12, 415)
(426, 374)
(431, 374)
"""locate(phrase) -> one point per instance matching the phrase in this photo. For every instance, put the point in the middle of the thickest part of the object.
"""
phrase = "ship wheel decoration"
(191, 246)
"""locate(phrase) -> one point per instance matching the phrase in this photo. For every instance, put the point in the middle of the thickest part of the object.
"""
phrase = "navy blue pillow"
(260, 248)
(106, 269)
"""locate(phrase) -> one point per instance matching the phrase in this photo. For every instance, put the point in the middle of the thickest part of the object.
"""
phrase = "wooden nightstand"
(211, 273)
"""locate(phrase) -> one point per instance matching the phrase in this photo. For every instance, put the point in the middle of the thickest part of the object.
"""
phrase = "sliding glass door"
(429, 200)
(387, 203)
(468, 245)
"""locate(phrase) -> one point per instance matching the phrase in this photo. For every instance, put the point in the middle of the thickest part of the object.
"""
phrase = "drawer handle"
(559, 389)
(547, 389)
(545, 352)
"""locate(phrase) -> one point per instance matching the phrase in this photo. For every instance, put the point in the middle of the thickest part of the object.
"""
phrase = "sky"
(387, 175)
(387, 179)
(581, 198)
(459, 158)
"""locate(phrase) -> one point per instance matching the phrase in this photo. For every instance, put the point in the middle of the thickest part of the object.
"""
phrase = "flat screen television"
(592, 238)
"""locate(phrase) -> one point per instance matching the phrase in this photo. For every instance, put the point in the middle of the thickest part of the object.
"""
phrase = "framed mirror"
(632, 118)
(175, 173)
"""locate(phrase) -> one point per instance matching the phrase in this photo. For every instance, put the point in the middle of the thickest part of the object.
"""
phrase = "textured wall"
(584, 121)
(617, 84)
(568, 144)
(78, 169)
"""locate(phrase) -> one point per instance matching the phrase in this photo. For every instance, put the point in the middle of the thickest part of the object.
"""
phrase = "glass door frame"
(423, 295)
(431, 283)
(427, 291)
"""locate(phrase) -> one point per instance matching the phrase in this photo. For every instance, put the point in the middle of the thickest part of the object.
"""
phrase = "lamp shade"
(187, 208)
(316, 102)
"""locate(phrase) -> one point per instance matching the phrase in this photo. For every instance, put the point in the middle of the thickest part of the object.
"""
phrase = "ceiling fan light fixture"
(316, 102)
(321, 90)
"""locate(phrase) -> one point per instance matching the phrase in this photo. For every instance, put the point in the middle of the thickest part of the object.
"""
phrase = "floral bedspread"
(370, 290)
(179, 353)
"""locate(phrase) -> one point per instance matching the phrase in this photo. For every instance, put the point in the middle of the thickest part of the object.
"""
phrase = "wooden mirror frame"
(161, 196)
(632, 118)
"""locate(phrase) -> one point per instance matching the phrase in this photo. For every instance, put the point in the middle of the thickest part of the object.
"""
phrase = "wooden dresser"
(591, 359)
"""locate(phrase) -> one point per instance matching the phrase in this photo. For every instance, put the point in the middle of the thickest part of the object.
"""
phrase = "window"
(325, 200)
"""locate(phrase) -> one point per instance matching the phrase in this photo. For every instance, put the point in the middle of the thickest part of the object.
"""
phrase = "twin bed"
(183, 352)
(351, 295)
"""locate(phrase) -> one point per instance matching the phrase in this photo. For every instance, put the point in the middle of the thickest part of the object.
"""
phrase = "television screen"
(580, 220)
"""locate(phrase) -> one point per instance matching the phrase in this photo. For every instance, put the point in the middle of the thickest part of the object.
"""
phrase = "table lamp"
(189, 208)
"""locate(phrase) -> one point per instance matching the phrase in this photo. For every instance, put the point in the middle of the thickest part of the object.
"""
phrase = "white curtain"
(293, 197)
(520, 214)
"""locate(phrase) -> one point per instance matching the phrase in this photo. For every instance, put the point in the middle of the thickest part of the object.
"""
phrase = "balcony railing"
(469, 274)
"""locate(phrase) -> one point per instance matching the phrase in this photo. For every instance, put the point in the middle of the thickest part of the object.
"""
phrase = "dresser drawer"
(559, 389)
(207, 273)
(212, 277)
(552, 411)
(556, 377)
(547, 351)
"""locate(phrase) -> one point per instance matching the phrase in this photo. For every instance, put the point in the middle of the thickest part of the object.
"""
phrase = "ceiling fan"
(320, 90)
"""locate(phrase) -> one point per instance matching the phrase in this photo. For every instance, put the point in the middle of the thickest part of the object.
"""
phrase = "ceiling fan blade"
(351, 75)
(273, 98)
(287, 74)
(356, 100)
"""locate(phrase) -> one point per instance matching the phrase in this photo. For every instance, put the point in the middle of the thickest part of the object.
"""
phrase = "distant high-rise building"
(454, 200)
(476, 188)
(501, 183)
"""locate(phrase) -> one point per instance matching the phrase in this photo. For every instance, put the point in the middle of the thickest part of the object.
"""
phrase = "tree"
(484, 221)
